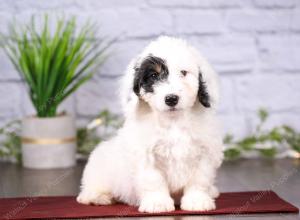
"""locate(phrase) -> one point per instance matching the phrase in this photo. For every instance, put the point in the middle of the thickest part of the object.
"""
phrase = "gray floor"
(282, 176)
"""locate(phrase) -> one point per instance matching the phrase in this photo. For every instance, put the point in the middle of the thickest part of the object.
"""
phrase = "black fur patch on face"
(202, 93)
(152, 70)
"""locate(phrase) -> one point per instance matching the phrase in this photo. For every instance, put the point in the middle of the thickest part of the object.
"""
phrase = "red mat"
(66, 207)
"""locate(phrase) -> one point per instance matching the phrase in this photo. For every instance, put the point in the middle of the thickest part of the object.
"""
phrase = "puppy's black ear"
(203, 96)
(137, 81)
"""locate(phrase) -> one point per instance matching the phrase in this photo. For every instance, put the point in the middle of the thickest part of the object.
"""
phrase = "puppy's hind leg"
(95, 198)
(95, 188)
(94, 191)
(213, 191)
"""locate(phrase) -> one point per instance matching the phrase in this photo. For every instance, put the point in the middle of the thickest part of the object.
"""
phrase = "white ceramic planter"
(48, 142)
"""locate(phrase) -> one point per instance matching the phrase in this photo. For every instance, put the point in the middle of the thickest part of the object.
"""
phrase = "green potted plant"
(53, 63)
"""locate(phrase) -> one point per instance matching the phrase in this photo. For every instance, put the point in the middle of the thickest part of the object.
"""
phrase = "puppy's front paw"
(198, 201)
(157, 202)
(94, 198)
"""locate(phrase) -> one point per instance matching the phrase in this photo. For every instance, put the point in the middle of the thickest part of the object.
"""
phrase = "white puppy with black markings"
(170, 145)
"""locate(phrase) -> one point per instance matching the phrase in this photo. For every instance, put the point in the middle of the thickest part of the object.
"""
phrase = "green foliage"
(265, 142)
(291, 137)
(228, 139)
(247, 143)
(55, 64)
(262, 115)
(232, 153)
(271, 152)
(88, 138)
(109, 119)
(10, 141)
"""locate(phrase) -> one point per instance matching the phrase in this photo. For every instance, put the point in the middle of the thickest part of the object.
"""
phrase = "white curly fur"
(161, 157)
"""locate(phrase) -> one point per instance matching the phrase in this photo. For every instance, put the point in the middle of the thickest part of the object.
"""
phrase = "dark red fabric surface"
(234, 203)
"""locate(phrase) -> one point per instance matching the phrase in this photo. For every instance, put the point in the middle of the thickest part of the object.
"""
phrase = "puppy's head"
(171, 76)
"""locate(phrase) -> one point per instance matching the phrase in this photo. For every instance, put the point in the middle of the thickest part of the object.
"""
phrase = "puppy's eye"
(184, 72)
(154, 75)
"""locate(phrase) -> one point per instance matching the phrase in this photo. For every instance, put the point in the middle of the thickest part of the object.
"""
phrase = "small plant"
(55, 64)
(266, 142)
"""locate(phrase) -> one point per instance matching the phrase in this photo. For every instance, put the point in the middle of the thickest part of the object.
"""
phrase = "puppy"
(170, 145)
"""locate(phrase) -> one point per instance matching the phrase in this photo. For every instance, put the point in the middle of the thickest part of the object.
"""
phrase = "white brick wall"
(253, 44)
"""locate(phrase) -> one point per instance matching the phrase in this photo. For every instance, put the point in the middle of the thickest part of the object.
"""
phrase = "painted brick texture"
(253, 44)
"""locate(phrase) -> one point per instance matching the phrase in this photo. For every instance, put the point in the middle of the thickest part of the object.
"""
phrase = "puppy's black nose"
(171, 100)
